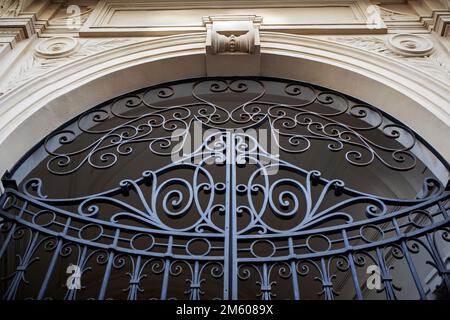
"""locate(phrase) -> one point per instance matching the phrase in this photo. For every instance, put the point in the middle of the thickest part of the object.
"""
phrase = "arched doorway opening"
(290, 183)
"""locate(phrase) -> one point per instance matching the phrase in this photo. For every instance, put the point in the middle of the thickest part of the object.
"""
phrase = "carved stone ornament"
(10, 8)
(39, 62)
(434, 62)
(232, 34)
(56, 47)
(393, 15)
(410, 45)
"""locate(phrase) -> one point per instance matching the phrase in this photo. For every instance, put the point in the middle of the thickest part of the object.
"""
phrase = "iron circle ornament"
(142, 241)
(270, 248)
(44, 218)
(371, 233)
(325, 245)
(90, 232)
(191, 250)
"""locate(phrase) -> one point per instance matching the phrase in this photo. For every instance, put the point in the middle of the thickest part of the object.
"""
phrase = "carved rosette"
(56, 47)
(410, 45)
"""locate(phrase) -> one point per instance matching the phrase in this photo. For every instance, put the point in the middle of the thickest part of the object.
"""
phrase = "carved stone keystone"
(232, 40)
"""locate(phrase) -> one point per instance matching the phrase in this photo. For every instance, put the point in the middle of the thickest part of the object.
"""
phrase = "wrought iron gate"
(232, 219)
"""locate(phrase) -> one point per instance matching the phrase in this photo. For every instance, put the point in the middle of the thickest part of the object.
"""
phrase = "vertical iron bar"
(166, 270)
(226, 255)
(438, 261)
(293, 270)
(51, 267)
(385, 275)
(410, 262)
(351, 263)
(13, 229)
(265, 283)
(233, 227)
(72, 293)
(21, 268)
(195, 283)
(134, 280)
(230, 250)
(326, 281)
(111, 255)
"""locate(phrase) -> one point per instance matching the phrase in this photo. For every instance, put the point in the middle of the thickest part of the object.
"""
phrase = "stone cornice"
(96, 18)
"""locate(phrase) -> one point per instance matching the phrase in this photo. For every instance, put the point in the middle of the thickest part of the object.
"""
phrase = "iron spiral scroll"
(231, 219)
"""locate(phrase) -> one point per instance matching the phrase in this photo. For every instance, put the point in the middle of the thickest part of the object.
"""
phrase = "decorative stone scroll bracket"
(232, 41)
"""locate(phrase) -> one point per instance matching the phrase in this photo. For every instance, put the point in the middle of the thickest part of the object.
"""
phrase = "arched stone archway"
(50, 98)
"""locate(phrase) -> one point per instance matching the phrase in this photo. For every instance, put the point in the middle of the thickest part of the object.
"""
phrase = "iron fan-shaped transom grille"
(292, 191)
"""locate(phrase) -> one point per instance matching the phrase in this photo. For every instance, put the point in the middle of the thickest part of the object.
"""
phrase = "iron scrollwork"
(295, 125)
(166, 235)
